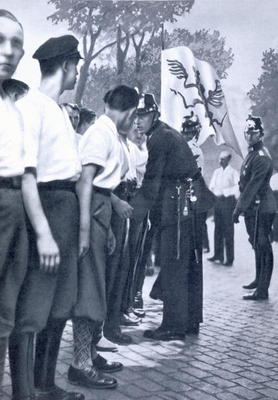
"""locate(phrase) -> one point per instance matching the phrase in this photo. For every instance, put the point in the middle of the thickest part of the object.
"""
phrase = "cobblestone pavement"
(234, 356)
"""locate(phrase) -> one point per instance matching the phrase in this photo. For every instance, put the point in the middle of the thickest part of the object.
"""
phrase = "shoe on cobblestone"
(57, 393)
(107, 366)
(256, 296)
(104, 344)
(228, 263)
(116, 336)
(128, 320)
(91, 378)
(215, 259)
(138, 300)
(138, 312)
(251, 285)
(164, 335)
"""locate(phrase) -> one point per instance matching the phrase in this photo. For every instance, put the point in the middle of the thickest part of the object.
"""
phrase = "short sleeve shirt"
(100, 145)
(50, 143)
(11, 139)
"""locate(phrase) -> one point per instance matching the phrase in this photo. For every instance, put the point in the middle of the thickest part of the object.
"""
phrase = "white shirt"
(197, 153)
(224, 182)
(50, 143)
(274, 182)
(11, 139)
(131, 156)
(101, 145)
(141, 162)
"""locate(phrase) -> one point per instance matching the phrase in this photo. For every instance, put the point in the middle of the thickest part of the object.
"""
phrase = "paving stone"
(227, 396)
(234, 357)
(148, 385)
(244, 392)
(198, 395)
(198, 373)
(222, 383)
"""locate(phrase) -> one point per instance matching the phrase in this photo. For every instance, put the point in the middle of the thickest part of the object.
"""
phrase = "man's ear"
(156, 116)
(65, 65)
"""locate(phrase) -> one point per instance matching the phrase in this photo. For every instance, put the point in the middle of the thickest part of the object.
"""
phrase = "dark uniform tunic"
(257, 202)
(170, 163)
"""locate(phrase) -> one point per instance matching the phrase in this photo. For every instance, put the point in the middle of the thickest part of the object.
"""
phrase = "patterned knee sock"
(82, 338)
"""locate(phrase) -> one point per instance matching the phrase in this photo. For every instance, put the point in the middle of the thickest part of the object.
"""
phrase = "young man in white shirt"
(224, 184)
(13, 236)
(52, 167)
(104, 165)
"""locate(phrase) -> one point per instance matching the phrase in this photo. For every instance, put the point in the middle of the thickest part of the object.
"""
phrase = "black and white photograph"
(138, 200)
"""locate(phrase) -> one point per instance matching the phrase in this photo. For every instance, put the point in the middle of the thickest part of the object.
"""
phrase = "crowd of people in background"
(83, 200)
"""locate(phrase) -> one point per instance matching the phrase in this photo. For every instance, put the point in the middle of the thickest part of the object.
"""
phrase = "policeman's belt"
(10, 183)
(182, 179)
(104, 191)
(57, 185)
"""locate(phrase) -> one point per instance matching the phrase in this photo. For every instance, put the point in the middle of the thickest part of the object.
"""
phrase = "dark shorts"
(51, 296)
(13, 255)
(91, 302)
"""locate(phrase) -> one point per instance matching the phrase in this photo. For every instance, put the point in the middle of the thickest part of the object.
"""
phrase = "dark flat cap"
(66, 45)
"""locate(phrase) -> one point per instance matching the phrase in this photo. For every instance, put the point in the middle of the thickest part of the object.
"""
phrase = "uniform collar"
(257, 146)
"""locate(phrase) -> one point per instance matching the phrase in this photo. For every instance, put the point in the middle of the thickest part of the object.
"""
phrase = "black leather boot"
(47, 350)
(21, 348)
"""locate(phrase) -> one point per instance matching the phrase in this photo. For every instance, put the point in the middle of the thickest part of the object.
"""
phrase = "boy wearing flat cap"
(52, 167)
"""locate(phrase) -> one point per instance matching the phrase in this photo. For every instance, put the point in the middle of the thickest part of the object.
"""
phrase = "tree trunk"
(84, 72)
(121, 54)
(138, 48)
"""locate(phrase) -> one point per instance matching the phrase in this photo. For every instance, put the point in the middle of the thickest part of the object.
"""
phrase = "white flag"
(189, 84)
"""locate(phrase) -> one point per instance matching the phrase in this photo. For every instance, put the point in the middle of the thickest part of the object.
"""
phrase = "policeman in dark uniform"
(257, 203)
(191, 128)
(171, 170)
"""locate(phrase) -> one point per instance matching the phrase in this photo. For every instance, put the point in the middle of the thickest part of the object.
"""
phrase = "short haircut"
(49, 67)
(86, 116)
(121, 98)
(9, 15)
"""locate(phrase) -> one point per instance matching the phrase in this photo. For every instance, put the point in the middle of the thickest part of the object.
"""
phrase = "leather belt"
(57, 185)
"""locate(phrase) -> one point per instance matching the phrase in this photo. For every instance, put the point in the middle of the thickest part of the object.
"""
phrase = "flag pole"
(162, 37)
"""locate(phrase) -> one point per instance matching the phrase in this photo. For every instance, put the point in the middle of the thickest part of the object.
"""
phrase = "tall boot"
(21, 348)
(47, 350)
(266, 271)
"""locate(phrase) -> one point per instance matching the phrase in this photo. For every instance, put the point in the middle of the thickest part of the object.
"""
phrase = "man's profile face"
(126, 120)
(144, 122)
(11, 47)
(71, 74)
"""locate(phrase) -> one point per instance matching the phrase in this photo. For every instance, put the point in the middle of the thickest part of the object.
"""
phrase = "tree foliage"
(264, 97)
(114, 22)
(205, 45)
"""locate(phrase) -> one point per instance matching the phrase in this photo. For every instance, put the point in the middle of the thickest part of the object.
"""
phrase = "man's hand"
(236, 215)
(84, 242)
(49, 254)
(111, 242)
(123, 209)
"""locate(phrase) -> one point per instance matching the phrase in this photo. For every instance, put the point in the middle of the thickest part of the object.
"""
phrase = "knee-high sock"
(82, 337)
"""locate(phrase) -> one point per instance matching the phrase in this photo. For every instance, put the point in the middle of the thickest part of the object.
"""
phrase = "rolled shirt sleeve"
(32, 121)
